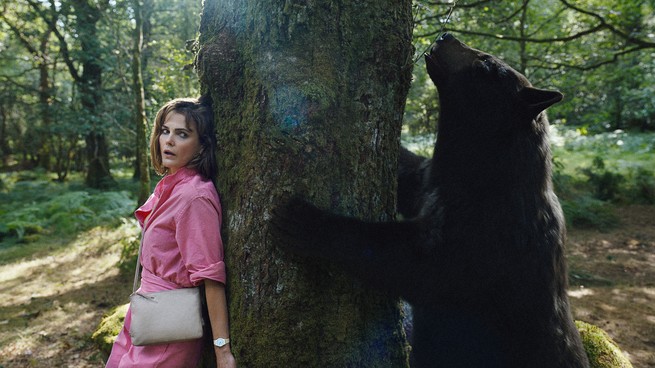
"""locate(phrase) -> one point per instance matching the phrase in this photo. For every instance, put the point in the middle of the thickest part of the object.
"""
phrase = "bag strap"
(137, 270)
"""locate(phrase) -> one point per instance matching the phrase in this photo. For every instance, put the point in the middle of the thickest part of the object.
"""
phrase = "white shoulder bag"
(165, 316)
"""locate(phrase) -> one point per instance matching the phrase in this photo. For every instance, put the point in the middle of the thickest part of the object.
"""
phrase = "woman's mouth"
(168, 153)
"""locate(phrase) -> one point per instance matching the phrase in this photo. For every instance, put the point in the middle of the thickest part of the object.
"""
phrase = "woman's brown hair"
(200, 112)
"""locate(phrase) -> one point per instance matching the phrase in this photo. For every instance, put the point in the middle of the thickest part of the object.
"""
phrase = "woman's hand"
(218, 317)
(224, 357)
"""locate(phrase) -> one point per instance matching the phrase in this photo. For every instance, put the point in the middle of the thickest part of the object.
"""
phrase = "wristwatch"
(220, 342)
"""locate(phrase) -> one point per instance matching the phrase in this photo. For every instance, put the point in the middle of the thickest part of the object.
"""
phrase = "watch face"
(220, 342)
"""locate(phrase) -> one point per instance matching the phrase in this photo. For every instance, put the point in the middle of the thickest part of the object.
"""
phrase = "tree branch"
(601, 25)
(523, 39)
(11, 80)
(595, 65)
(610, 27)
(451, 3)
(63, 45)
(20, 35)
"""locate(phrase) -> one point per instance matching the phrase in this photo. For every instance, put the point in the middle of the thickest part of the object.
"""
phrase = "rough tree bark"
(308, 99)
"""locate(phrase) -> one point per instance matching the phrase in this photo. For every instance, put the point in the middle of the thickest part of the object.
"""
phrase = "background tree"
(140, 120)
(84, 16)
(34, 37)
(168, 25)
(165, 60)
(309, 100)
(598, 52)
(36, 42)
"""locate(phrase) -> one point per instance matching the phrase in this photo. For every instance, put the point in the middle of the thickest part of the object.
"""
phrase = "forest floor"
(52, 301)
(613, 281)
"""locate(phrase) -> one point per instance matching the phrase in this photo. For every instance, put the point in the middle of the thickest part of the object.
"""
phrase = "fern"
(35, 210)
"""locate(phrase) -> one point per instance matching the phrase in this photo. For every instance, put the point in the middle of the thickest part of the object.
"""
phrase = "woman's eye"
(164, 131)
(183, 135)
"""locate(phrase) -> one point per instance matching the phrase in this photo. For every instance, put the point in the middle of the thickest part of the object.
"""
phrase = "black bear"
(480, 257)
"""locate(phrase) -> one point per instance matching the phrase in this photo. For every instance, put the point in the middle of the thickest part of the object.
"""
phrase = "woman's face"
(178, 142)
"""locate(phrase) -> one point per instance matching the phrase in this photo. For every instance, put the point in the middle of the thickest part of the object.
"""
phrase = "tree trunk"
(523, 55)
(309, 98)
(98, 174)
(143, 173)
(5, 150)
(45, 100)
(41, 57)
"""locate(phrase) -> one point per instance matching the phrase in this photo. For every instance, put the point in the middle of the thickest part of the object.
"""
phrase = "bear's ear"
(538, 100)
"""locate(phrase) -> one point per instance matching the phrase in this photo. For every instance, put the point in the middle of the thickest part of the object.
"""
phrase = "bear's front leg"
(302, 228)
(382, 254)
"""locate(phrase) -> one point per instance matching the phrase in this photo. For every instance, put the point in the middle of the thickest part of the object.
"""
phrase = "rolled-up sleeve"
(198, 235)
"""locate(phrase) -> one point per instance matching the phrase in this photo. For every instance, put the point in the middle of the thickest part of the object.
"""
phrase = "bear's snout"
(448, 56)
(446, 37)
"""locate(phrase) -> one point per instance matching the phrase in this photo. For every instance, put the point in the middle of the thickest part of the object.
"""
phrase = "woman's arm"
(218, 317)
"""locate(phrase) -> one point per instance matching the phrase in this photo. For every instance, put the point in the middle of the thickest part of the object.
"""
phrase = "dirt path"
(613, 281)
(50, 305)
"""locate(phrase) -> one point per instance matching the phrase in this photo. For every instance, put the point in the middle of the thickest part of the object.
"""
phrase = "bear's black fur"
(481, 257)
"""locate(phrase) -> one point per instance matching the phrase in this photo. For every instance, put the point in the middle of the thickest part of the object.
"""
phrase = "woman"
(181, 244)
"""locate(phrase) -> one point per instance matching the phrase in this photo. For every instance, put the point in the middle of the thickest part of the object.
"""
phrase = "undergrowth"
(591, 173)
(32, 206)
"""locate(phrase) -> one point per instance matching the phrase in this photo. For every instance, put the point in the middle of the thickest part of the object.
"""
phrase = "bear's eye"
(484, 63)
(486, 59)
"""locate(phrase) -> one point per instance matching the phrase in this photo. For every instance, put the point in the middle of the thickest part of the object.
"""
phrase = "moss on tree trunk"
(308, 99)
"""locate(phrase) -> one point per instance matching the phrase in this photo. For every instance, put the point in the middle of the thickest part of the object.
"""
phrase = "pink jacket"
(182, 242)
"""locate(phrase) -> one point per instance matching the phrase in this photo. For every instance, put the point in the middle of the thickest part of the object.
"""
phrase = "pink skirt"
(174, 355)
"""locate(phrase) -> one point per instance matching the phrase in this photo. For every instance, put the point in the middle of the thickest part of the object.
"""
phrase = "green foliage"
(21, 229)
(588, 212)
(605, 183)
(32, 207)
(616, 166)
(129, 253)
(43, 118)
(591, 172)
(642, 187)
(422, 144)
(594, 171)
(607, 83)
